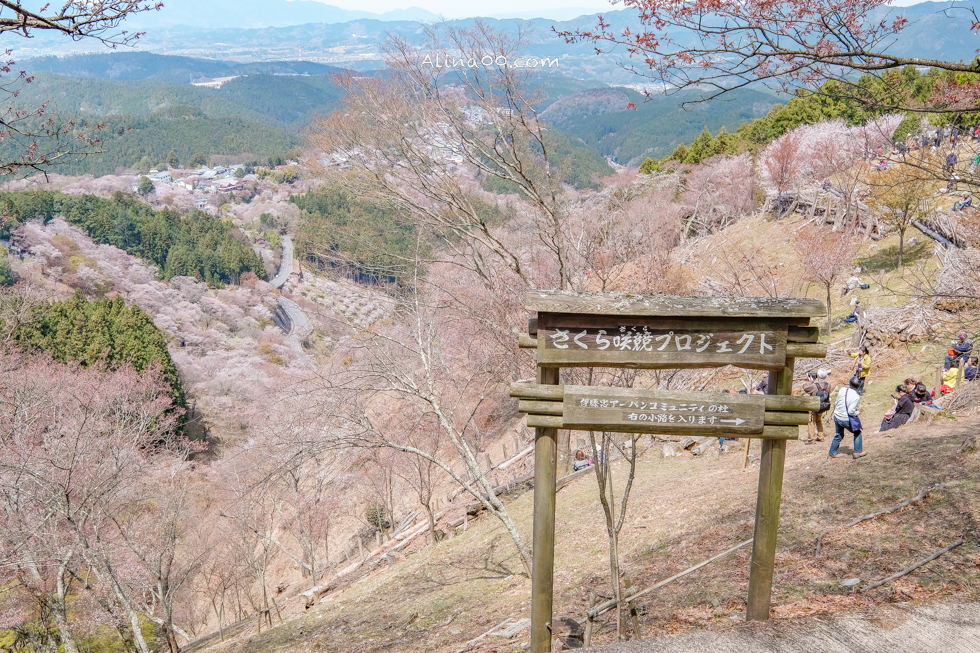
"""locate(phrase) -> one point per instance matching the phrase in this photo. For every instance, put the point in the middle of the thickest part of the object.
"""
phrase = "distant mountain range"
(265, 30)
(257, 14)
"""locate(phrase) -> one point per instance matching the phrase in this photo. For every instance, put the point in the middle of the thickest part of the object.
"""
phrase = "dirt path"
(893, 628)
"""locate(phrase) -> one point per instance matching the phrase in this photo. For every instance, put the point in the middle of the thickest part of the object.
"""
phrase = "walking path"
(892, 628)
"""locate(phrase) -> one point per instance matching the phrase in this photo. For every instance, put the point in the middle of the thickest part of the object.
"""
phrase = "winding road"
(300, 327)
(286, 267)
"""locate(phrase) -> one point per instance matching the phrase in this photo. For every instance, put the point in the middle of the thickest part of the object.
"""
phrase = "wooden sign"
(655, 342)
(597, 408)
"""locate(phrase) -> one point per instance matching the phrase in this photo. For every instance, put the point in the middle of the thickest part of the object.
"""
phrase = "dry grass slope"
(683, 511)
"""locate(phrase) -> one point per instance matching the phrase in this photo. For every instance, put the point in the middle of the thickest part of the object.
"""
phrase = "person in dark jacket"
(959, 348)
(972, 369)
(900, 412)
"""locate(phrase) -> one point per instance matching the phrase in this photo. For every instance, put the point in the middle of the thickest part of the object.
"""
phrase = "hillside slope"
(684, 510)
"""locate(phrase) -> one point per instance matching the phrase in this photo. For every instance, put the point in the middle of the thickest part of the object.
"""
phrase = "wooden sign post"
(664, 332)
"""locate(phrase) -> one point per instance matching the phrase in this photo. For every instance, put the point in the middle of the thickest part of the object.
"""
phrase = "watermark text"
(449, 61)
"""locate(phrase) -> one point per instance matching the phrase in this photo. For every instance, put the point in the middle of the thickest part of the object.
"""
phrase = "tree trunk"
(59, 612)
(168, 617)
(604, 481)
(432, 521)
(901, 246)
(829, 316)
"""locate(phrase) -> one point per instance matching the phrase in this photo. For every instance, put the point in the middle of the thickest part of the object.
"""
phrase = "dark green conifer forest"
(193, 245)
(101, 332)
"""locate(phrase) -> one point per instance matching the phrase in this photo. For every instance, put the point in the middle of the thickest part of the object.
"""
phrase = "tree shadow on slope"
(886, 258)
(495, 561)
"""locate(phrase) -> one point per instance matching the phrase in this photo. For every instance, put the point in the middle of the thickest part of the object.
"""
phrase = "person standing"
(819, 387)
(847, 418)
(862, 367)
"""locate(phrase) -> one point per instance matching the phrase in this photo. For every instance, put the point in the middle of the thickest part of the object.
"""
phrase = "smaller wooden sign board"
(597, 408)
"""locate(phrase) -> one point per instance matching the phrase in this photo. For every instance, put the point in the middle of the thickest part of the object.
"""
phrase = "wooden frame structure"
(663, 332)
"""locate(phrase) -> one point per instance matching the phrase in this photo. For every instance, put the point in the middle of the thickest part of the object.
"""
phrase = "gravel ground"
(893, 628)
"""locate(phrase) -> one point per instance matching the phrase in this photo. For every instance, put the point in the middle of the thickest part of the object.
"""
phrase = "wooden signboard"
(645, 343)
(593, 329)
(595, 408)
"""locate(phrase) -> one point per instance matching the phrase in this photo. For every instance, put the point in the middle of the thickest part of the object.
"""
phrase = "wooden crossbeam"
(556, 393)
(769, 431)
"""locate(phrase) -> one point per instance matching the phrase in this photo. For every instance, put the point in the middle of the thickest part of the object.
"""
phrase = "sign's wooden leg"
(767, 509)
(543, 540)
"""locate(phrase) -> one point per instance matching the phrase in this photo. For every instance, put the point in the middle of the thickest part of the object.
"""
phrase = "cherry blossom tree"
(74, 443)
(825, 257)
(714, 48)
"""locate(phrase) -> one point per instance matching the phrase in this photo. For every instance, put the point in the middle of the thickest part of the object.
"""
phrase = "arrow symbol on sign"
(735, 421)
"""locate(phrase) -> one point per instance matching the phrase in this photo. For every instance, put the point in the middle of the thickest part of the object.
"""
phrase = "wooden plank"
(549, 407)
(658, 343)
(537, 391)
(600, 303)
(524, 341)
(544, 421)
(805, 350)
(769, 432)
(787, 419)
(654, 411)
(789, 403)
(803, 334)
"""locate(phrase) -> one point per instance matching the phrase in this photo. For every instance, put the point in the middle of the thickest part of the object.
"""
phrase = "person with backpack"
(818, 386)
(847, 418)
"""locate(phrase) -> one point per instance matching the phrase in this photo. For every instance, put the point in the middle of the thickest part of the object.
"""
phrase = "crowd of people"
(845, 407)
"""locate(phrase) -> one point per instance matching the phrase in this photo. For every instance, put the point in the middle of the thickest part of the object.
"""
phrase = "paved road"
(893, 628)
(286, 267)
(301, 328)
(301, 324)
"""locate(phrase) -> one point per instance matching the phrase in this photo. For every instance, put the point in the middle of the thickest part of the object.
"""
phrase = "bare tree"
(825, 257)
(410, 133)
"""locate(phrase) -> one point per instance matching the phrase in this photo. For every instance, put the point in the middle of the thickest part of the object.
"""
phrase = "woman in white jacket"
(845, 409)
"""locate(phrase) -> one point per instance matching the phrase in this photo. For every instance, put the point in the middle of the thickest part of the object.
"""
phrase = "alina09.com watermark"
(449, 61)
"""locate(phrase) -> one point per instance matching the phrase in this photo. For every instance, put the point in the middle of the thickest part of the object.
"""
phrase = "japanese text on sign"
(659, 411)
(643, 339)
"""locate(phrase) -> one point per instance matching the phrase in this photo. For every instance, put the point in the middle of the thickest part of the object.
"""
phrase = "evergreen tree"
(679, 153)
(701, 148)
(198, 160)
(6, 272)
(172, 159)
(650, 166)
(103, 332)
(146, 186)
